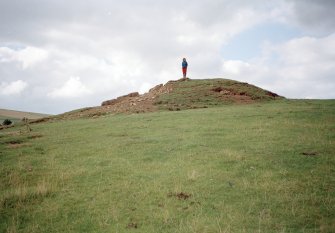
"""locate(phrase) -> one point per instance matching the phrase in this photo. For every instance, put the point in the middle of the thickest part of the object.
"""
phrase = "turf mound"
(179, 95)
(210, 92)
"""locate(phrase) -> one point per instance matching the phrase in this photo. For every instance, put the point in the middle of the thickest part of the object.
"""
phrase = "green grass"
(241, 167)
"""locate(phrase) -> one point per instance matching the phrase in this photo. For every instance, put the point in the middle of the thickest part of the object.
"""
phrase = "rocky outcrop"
(156, 88)
(120, 99)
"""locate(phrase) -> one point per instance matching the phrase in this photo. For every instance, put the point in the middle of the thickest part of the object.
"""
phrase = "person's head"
(184, 59)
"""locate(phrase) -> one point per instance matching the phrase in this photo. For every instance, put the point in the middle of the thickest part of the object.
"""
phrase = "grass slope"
(206, 93)
(242, 168)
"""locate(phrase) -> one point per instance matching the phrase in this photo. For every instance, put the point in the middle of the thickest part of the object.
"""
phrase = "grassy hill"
(179, 95)
(261, 167)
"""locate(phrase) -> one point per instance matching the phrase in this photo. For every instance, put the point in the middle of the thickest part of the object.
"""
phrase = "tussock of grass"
(227, 169)
(23, 194)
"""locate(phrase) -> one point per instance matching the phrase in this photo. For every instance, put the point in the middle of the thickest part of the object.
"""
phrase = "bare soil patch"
(17, 145)
(34, 136)
(132, 225)
(310, 153)
(180, 196)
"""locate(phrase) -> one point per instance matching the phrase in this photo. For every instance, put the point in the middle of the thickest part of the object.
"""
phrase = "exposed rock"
(156, 88)
(109, 102)
(133, 94)
(225, 92)
(119, 99)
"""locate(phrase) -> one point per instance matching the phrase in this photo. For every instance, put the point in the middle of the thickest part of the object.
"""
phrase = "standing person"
(184, 67)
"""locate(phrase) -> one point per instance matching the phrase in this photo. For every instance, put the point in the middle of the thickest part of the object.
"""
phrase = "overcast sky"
(58, 55)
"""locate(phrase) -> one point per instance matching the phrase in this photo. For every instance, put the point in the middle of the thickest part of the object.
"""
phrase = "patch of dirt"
(14, 142)
(195, 203)
(33, 136)
(223, 91)
(226, 94)
(41, 120)
(132, 225)
(237, 98)
(217, 89)
(180, 196)
(6, 126)
(242, 99)
(310, 153)
(17, 145)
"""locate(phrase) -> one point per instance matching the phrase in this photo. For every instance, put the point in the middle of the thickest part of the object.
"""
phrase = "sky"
(59, 55)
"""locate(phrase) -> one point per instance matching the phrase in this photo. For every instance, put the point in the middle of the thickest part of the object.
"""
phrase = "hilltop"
(179, 95)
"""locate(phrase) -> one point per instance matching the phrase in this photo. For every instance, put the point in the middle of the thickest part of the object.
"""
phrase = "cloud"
(301, 67)
(12, 88)
(235, 67)
(313, 16)
(308, 51)
(28, 56)
(31, 56)
(117, 47)
(71, 89)
(6, 55)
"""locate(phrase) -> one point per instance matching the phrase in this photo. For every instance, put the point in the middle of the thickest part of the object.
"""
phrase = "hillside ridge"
(178, 95)
(14, 114)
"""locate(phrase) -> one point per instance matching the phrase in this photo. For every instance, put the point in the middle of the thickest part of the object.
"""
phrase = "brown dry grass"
(19, 114)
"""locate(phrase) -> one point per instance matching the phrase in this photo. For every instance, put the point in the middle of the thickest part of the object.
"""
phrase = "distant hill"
(18, 115)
